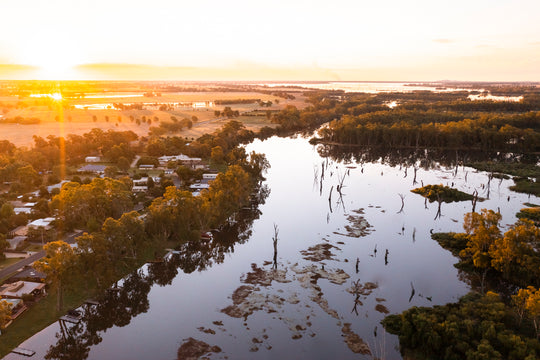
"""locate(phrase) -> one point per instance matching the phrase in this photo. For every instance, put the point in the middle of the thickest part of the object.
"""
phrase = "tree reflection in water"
(426, 159)
(118, 305)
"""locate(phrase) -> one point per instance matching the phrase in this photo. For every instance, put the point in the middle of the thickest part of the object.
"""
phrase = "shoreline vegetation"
(117, 240)
(497, 321)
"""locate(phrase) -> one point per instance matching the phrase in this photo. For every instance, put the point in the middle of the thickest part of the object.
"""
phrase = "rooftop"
(19, 288)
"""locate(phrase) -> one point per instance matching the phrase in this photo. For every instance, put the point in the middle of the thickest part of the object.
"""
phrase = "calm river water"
(316, 303)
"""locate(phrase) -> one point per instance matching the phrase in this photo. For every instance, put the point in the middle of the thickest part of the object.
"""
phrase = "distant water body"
(368, 87)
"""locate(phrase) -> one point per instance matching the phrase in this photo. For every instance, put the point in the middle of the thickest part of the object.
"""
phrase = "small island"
(442, 193)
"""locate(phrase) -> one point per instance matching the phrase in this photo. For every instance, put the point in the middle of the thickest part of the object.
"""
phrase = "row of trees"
(482, 134)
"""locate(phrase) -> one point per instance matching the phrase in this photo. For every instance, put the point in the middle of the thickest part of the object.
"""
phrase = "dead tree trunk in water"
(402, 197)
(414, 182)
(489, 184)
(330, 198)
(474, 200)
(438, 215)
(275, 240)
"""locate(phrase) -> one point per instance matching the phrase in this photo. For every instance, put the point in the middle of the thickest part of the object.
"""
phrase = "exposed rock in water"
(194, 349)
(218, 323)
(382, 309)
(358, 226)
(354, 342)
(248, 300)
(265, 277)
(313, 273)
(319, 252)
(206, 331)
(241, 293)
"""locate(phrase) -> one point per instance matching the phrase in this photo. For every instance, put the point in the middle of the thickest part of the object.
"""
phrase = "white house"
(92, 159)
(98, 169)
(45, 223)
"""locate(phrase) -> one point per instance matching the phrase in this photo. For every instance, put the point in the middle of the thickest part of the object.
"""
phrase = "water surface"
(298, 307)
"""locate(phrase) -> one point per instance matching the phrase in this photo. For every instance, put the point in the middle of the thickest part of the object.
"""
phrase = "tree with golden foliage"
(59, 264)
(5, 313)
(483, 231)
(516, 253)
(527, 303)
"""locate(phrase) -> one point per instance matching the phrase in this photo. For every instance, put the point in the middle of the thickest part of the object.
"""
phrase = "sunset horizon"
(290, 40)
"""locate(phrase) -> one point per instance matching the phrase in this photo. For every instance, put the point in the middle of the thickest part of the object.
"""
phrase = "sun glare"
(52, 59)
(56, 96)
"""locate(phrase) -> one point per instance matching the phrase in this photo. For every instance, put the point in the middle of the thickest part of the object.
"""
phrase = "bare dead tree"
(438, 215)
(275, 241)
(340, 186)
(402, 197)
(414, 182)
(405, 172)
(457, 164)
(474, 200)
(330, 199)
(414, 235)
(490, 176)
(412, 292)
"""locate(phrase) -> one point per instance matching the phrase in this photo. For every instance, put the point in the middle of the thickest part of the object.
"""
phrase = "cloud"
(443, 41)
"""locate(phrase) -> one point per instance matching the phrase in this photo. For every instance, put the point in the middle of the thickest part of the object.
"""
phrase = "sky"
(279, 40)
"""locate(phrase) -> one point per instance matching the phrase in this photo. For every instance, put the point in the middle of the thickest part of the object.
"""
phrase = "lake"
(315, 301)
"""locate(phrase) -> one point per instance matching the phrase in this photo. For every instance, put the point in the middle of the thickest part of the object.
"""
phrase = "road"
(70, 239)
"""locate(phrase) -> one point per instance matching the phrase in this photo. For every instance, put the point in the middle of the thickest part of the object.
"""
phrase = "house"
(140, 182)
(22, 210)
(139, 189)
(199, 186)
(209, 176)
(44, 222)
(181, 158)
(15, 241)
(56, 186)
(97, 169)
(17, 289)
(92, 159)
(20, 207)
(146, 167)
(19, 231)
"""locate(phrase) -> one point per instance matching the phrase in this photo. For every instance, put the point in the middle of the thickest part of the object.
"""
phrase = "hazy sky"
(271, 40)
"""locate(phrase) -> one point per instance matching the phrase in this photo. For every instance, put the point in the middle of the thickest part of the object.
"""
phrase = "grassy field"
(80, 121)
